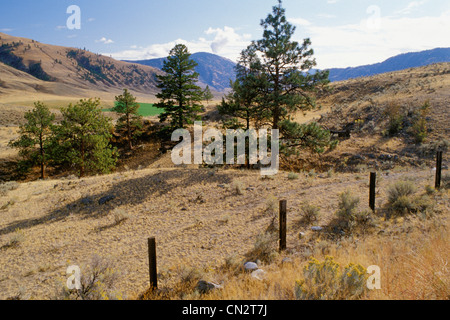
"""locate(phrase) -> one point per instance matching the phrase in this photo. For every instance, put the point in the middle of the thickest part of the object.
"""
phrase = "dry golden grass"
(200, 221)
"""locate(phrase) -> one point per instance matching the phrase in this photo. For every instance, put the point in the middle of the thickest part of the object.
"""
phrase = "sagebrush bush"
(445, 181)
(348, 206)
(293, 176)
(238, 188)
(8, 186)
(328, 281)
(16, 239)
(120, 216)
(400, 189)
(98, 279)
(265, 247)
(400, 198)
(272, 206)
(309, 213)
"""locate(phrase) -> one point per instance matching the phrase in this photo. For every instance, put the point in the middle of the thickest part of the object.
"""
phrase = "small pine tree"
(35, 136)
(309, 136)
(243, 101)
(84, 138)
(180, 97)
(419, 128)
(207, 95)
(130, 120)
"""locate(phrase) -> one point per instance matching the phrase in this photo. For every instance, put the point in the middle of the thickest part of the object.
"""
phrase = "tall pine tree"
(287, 65)
(180, 97)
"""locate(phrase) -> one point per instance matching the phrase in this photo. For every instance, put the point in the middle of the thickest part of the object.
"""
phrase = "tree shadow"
(131, 192)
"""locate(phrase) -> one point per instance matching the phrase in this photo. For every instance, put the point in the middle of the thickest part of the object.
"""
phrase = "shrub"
(402, 200)
(419, 128)
(16, 239)
(445, 180)
(271, 206)
(395, 117)
(399, 197)
(238, 188)
(310, 213)
(292, 176)
(8, 186)
(327, 281)
(265, 247)
(120, 216)
(400, 189)
(348, 205)
(98, 279)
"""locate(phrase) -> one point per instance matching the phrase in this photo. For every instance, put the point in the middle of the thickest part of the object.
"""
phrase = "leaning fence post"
(373, 182)
(283, 222)
(438, 170)
(152, 263)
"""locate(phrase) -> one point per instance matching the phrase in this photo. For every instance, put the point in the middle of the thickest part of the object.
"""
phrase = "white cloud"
(225, 42)
(412, 6)
(299, 21)
(6, 30)
(358, 44)
(105, 41)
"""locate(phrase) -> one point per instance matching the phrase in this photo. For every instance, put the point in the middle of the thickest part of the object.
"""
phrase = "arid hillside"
(28, 67)
(361, 110)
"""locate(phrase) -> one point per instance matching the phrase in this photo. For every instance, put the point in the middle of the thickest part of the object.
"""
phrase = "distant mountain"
(397, 63)
(215, 71)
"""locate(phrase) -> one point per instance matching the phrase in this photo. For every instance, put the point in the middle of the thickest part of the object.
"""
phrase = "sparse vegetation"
(98, 280)
(310, 213)
(327, 280)
(8, 186)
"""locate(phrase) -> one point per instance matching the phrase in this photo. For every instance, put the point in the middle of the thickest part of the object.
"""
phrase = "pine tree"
(84, 138)
(180, 96)
(243, 101)
(207, 94)
(287, 65)
(130, 120)
(35, 136)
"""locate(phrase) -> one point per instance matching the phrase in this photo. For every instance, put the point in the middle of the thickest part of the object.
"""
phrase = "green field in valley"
(145, 110)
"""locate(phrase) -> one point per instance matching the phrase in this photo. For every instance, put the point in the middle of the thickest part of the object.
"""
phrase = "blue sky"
(343, 32)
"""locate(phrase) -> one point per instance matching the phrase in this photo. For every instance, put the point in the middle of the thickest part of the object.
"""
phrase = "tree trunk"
(130, 144)
(82, 159)
(41, 146)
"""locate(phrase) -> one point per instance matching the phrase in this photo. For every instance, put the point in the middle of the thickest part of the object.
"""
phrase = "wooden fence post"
(373, 182)
(283, 223)
(152, 263)
(438, 170)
